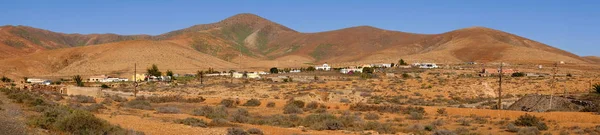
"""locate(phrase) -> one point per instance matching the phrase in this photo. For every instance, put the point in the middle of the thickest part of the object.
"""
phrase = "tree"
(401, 62)
(231, 75)
(211, 70)
(245, 75)
(153, 71)
(311, 68)
(5, 79)
(392, 65)
(274, 70)
(78, 80)
(200, 75)
(25, 79)
(170, 73)
(367, 70)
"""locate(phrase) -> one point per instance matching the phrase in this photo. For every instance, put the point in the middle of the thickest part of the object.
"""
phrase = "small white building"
(351, 70)
(383, 65)
(38, 81)
(106, 79)
(252, 75)
(325, 67)
(295, 71)
(428, 65)
(100, 78)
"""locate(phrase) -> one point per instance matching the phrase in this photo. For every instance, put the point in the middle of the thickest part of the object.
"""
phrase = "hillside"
(20, 40)
(113, 58)
(261, 43)
(593, 59)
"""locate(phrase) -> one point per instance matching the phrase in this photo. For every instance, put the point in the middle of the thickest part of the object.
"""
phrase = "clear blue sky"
(571, 25)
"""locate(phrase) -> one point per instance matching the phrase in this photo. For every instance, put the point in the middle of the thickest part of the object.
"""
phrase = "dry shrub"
(255, 131)
(271, 104)
(168, 109)
(372, 116)
(138, 104)
(252, 102)
(82, 99)
(236, 131)
(192, 122)
(211, 112)
(229, 103)
(531, 121)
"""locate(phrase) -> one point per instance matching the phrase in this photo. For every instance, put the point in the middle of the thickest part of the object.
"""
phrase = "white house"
(353, 70)
(252, 75)
(324, 67)
(381, 65)
(100, 78)
(38, 81)
(295, 71)
(428, 65)
(105, 79)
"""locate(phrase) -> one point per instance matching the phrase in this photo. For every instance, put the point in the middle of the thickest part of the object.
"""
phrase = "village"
(437, 90)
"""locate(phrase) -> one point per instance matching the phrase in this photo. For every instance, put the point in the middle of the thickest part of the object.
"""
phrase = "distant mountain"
(250, 41)
(18, 40)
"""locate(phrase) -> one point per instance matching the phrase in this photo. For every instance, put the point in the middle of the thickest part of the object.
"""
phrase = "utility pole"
(135, 84)
(500, 88)
(554, 76)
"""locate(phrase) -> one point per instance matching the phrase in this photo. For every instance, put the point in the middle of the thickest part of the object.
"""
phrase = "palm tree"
(200, 75)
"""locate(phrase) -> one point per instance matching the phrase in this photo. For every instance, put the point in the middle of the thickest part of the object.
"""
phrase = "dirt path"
(11, 118)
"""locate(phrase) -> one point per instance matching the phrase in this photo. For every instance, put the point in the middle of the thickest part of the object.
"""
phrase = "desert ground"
(451, 100)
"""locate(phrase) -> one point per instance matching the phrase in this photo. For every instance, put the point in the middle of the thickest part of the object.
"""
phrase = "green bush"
(271, 104)
(531, 121)
(252, 102)
(192, 122)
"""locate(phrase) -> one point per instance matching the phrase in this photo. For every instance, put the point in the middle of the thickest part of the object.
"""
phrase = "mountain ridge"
(243, 37)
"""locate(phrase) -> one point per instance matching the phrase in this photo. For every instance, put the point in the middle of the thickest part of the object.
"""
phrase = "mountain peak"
(245, 18)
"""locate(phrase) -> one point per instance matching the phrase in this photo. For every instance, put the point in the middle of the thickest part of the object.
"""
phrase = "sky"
(571, 25)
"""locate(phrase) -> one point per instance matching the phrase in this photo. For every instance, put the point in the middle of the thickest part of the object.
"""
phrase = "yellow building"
(138, 77)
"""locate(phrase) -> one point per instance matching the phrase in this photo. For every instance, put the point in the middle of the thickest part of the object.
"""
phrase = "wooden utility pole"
(554, 76)
(500, 88)
(135, 84)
